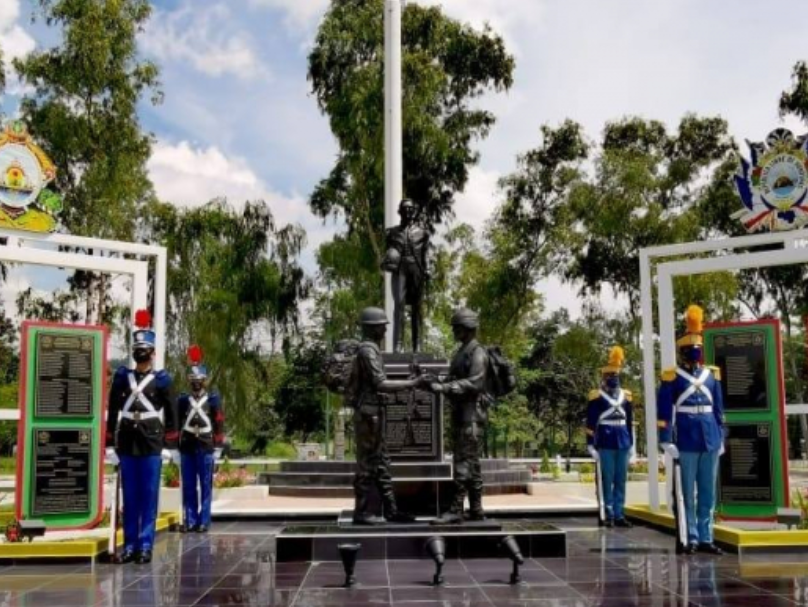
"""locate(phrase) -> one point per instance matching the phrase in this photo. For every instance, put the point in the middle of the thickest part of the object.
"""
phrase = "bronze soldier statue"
(465, 388)
(406, 260)
(368, 382)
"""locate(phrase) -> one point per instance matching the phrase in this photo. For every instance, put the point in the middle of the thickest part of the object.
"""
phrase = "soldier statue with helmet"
(368, 382)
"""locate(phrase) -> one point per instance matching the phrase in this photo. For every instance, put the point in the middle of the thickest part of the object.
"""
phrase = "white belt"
(139, 415)
(694, 409)
(613, 422)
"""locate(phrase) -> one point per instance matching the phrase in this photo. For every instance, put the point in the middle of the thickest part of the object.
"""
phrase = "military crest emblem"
(25, 172)
(773, 183)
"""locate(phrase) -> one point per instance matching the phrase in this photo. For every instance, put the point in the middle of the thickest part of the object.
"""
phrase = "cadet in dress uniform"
(465, 389)
(142, 426)
(610, 436)
(368, 380)
(201, 441)
(691, 420)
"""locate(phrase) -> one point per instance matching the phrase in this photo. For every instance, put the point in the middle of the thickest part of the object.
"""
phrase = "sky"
(239, 120)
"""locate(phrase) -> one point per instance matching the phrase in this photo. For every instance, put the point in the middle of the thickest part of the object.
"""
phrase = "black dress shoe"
(201, 529)
(144, 558)
(401, 517)
(692, 549)
(187, 528)
(621, 522)
(709, 548)
(609, 523)
(127, 556)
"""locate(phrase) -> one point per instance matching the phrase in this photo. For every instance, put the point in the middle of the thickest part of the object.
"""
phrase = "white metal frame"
(793, 251)
(25, 247)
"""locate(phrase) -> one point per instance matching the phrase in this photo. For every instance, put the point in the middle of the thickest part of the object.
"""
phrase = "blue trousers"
(614, 469)
(699, 474)
(140, 480)
(197, 488)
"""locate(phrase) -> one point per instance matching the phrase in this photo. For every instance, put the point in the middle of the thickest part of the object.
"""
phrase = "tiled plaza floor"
(233, 566)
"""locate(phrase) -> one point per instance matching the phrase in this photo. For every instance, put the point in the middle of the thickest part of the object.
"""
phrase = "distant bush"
(545, 463)
(281, 450)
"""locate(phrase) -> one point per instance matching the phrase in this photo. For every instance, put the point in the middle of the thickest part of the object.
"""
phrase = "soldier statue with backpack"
(477, 376)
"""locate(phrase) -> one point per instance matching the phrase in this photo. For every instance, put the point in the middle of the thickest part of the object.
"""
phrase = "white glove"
(165, 455)
(217, 454)
(632, 456)
(671, 449)
(722, 450)
(593, 452)
(110, 457)
(175, 456)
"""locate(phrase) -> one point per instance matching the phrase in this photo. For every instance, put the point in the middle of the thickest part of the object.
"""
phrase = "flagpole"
(393, 136)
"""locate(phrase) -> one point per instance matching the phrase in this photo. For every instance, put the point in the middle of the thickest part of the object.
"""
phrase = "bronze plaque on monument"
(741, 356)
(61, 480)
(64, 376)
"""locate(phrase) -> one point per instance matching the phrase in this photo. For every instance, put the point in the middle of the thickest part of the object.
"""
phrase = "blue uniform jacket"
(207, 441)
(692, 432)
(605, 436)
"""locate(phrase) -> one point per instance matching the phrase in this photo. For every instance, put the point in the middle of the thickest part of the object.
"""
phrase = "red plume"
(195, 355)
(143, 319)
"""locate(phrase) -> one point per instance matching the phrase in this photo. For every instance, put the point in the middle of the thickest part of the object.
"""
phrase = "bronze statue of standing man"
(406, 260)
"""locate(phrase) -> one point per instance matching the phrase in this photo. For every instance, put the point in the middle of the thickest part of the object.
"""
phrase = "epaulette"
(162, 378)
(716, 371)
(594, 394)
(629, 396)
(122, 371)
(669, 374)
(213, 399)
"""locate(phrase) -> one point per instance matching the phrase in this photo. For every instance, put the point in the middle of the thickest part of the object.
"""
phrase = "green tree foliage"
(234, 288)
(301, 395)
(795, 101)
(446, 67)
(84, 114)
(645, 187)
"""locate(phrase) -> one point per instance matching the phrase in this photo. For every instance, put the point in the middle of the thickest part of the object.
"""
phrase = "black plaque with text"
(64, 375)
(746, 467)
(410, 429)
(741, 356)
(62, 471)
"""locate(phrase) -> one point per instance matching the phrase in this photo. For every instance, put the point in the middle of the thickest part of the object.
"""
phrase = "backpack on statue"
(501, 376)
(338, 368)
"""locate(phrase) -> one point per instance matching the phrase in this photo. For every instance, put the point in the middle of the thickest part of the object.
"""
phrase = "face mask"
(196, 386)
(693, 355)
(612, 383)
(142, 356)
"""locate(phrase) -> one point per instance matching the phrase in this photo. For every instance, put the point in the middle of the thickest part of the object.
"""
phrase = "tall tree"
(446, 67)
(84, 113)
(795, 100)
(235, 287)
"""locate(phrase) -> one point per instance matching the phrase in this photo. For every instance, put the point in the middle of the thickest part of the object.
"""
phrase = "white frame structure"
(26, 248)
(794, 250)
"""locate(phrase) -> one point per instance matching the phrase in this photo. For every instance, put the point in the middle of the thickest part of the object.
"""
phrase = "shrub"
(545, 463)
(586, 469)
(171, 475)
(228, 478)
(281, 450)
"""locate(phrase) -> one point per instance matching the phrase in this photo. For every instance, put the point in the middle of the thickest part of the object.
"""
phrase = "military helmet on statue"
(463, 317)
(373, 316)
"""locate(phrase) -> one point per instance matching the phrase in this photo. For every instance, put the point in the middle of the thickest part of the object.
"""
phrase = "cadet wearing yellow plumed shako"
(690, 415)
(610, 436)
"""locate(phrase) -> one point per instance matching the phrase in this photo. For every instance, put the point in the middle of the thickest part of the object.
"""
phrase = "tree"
(235, 288)
(795, 101)
(84, 113)
(301, 395)
(446, 66)
(646, 183)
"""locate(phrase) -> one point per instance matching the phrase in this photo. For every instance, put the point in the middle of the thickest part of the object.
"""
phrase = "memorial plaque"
(746, 467)
(62, 460)
(742, 356)
(64, 375)
(410, 424)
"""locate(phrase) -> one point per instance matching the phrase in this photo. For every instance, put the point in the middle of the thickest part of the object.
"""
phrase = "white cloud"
(204, 38)
(189, 176)
(477, 202)
(301, 15)
(15, 43)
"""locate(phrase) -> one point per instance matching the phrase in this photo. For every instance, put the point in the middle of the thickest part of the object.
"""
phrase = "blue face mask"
(612, 383)
(693, 354)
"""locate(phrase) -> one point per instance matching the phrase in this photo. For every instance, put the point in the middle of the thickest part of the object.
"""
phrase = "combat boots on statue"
(454, 515)
(476, 512)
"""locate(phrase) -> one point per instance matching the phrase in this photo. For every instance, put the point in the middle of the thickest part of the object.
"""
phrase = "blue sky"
(238, 118)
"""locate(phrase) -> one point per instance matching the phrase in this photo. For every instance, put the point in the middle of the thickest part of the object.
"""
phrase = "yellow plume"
(616, 357)
(694, 318)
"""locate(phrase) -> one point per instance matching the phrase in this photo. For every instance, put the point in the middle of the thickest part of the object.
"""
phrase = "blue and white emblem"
(773, 186)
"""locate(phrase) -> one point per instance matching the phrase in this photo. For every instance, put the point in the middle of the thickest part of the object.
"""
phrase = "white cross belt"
(136, 395)
(196, 410)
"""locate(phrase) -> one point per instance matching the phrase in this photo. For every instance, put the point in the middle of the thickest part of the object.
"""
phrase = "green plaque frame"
(771, 416)
(34, 423)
